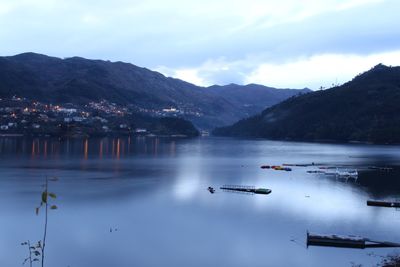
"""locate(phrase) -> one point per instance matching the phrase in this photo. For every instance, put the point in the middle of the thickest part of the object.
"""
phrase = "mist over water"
(143, 202)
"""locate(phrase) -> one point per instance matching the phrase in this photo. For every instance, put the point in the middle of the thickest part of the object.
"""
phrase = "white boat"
(346, 173)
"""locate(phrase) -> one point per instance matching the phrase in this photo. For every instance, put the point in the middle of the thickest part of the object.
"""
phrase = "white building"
(67, 110)
(140, 130)
(78, 119)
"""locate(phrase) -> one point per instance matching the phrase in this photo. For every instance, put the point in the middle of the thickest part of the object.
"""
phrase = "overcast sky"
(285, 43)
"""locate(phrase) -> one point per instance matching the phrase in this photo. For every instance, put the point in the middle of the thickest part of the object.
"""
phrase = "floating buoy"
(211, 190)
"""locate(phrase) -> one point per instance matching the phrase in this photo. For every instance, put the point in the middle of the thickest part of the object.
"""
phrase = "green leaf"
(44, 197)
(54, 207)
(52, 195)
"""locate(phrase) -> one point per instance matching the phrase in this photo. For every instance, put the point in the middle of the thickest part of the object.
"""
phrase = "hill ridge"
(80, 80)
(363, 109)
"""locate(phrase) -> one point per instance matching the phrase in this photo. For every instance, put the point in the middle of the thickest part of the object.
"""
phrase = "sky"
(284, 44)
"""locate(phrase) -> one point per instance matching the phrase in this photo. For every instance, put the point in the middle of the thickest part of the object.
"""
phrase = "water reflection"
(154, 191)
(87, 148)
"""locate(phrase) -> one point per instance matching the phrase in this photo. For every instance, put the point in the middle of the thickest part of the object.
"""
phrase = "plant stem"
(45, 223)
(30, 253)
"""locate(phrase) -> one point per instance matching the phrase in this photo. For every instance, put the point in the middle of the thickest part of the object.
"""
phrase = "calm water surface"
(152, 193)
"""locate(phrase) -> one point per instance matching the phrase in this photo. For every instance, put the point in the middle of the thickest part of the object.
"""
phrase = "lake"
(144, 202)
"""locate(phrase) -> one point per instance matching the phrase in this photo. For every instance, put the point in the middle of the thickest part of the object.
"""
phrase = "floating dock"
(246, 189)
(346, 242)
(298, 165)
(387, 204)
(334, 166)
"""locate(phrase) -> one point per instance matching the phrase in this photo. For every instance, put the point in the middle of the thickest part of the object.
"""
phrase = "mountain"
(79, 81)
(253, 98)
(365, 109)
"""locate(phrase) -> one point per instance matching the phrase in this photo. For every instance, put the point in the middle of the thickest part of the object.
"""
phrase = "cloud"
(206, 41)
(218, 71)
(312, 72)
(320, 70)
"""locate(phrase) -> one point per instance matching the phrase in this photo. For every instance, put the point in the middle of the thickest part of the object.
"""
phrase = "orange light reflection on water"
(118, 148)
(86, 148)
(101, 149)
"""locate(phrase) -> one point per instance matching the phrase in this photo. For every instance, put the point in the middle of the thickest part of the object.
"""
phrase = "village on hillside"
(20, 116)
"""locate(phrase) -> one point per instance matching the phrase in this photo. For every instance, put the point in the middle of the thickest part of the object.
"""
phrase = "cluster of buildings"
(170, 111)
(20, 116)
(112, 108)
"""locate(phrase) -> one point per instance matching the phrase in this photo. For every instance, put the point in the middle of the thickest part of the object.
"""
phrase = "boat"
(280, 168)
(347, 173)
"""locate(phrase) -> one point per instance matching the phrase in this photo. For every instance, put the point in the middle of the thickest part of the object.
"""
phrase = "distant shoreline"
(96, 136)
(321, 141)
(11, 135)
